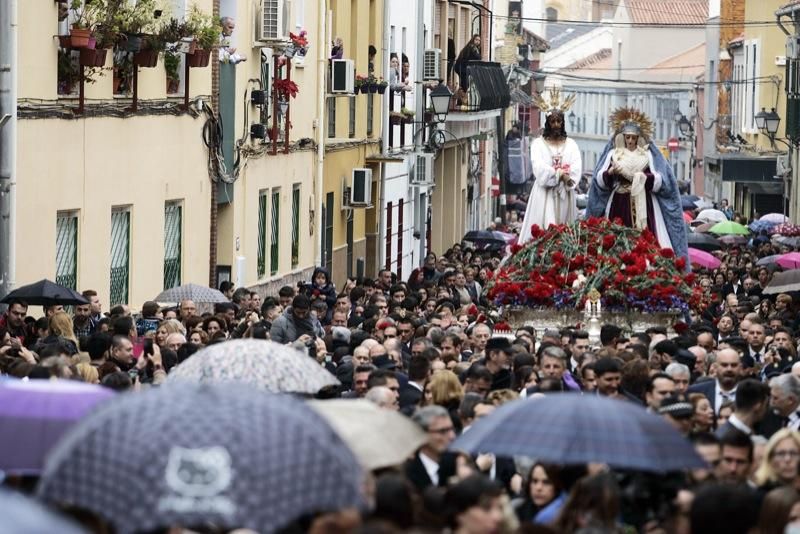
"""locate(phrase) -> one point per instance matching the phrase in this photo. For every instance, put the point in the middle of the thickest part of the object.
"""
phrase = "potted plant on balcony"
(206, 31)
(381, 85)
(132, 21)
(172, 64)
(396, 117)
(359, 85)
(80, 32)
(408, 115)
(285, 89)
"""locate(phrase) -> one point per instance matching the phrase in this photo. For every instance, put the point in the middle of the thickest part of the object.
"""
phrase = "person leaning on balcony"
(471, 52)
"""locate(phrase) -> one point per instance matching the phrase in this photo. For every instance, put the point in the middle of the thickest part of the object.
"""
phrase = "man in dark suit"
(729, 368)
(752, 402)
(423, 469)
(419, 368)
(784, 403)
(733, 286)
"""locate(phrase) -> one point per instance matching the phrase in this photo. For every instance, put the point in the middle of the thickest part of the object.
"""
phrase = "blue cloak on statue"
(668, 197)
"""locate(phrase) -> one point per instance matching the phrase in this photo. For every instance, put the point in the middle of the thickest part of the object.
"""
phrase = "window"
(261, 266)
(120, 255)
(276, 218)
(67, 249)
(295, 225)
(751, 86)
(349, 239)
(351, 123)
(331, 117)
(173, 220)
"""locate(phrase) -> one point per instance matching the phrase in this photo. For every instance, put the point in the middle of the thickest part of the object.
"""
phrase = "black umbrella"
(483, 236)
(704, 242)
(45, 293)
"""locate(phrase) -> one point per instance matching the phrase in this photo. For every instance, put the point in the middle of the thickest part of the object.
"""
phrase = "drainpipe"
(318, 225)
(381, 234)
(213, 216)
(8, 144)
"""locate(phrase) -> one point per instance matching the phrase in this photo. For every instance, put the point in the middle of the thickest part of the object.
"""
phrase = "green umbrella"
(728, 228)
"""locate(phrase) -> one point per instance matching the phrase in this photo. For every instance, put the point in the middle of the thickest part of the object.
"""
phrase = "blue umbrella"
(22, 514)
(570, 428)
(768, 260)
(761, 225)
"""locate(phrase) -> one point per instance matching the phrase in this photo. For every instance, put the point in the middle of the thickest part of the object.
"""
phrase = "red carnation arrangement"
(561, 265)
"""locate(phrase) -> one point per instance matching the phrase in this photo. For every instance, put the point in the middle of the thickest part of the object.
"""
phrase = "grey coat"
(285, 330)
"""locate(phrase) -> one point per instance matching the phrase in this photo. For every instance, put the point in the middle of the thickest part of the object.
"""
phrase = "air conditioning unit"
(359, 194)
(342, 75)
(271, 21)
(421, 173)
(431, 64)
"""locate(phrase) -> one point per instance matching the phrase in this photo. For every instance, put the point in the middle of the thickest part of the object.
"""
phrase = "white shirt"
(731, 396)
(739, 425)
(414, 384)
(794, 421)
(431, 467)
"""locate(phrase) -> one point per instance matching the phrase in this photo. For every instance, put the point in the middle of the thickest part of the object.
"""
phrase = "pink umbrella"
(703, 259)
(688, 217)
(789, 261)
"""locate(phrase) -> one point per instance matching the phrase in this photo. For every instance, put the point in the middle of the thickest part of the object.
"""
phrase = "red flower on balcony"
(286, 88)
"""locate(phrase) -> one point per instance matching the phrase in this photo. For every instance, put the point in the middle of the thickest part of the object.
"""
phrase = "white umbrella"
(378, 437)
(703, 203)
(774, 218)
(711, 215)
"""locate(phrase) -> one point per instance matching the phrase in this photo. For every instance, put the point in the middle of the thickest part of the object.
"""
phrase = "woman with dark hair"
(593, 502)
(541, 487)
(394, 500)
(470, 52)
(474, 506)
(780, 507)
(416, 279)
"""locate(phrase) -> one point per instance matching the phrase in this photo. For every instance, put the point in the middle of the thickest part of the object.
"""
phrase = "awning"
(746, 168)
(491, 85)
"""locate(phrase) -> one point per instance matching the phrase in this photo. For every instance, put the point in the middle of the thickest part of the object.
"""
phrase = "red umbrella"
(703, 259)
(789, 261)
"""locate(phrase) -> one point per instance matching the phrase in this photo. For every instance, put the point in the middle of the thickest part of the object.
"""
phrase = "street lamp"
(677, 115)
(571, 118)
(440, 101)
(539, 79)
(773, 120)
(761, 119)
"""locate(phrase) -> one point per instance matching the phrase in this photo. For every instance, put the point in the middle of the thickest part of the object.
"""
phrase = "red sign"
(673, 145)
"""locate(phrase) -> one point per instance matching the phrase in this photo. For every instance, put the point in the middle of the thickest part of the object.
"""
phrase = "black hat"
(499, 343)
(384, 362)
(686, 358)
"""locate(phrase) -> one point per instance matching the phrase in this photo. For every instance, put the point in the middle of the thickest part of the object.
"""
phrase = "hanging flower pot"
(395, 118)
(200, 58)
(356, 89)
(381, 87)
(132, 42)
(64, 41)
(92, 58)
(146, 58)
(79, 37)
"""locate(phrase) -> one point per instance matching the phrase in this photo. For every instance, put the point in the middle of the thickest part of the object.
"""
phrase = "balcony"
(487, 91)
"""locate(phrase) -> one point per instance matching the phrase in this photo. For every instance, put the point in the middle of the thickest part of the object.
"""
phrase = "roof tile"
(673, 12)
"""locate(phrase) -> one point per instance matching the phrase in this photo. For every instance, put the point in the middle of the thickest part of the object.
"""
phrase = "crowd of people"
(729, 380)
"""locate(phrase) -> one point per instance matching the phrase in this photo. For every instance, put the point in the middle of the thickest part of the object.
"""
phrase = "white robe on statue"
(552, 200)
